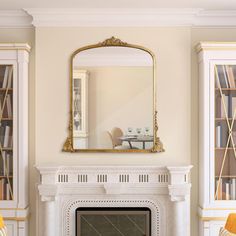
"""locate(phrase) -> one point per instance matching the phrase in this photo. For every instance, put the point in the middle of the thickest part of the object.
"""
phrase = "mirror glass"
(112, 99)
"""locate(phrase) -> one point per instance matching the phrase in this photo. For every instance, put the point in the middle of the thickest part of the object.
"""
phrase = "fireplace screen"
(113, 222)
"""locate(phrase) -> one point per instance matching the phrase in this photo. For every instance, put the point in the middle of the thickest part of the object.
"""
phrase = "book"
(225, 77)
(5, 78)
(6, 136)
(233, 105)
(9, 108)
(230, 75)
(2, 131)
(2, 192)
(233, 189)
(4, 162)
(230, 108)
(9, 80)
(227, 195)
(224, 134)
(220, 78)
(218, 136)
(224, 109)
(10, 143)
(8, 195)
(218, 107)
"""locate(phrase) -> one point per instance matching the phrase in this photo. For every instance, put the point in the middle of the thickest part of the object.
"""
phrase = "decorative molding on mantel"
(15, 19)
(57, 180)
(109, 17)
(63, 189)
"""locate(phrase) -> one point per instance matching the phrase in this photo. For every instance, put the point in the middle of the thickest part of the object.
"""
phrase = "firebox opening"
(113, 221)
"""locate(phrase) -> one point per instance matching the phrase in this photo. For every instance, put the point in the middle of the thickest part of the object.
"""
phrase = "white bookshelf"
(217, 134)
(14, 202)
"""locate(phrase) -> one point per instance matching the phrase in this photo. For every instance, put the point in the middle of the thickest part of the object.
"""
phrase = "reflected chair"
(115, 135)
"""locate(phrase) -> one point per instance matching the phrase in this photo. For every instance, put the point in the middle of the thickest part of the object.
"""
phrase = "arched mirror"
(113, 99)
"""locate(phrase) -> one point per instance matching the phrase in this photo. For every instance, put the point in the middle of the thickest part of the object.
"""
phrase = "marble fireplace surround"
(164, 190)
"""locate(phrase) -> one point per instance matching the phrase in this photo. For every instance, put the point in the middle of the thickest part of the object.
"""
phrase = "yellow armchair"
(231, 223)
(3, 229)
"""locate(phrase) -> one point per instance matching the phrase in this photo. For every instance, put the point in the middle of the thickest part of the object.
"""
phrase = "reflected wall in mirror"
(113, 99)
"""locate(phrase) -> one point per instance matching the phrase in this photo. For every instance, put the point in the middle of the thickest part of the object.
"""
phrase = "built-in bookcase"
(6, 132)
(14, 199)
(225, 132)
(217, 135)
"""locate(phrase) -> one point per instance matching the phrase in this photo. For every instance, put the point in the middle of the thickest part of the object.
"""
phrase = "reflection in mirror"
(113, 99)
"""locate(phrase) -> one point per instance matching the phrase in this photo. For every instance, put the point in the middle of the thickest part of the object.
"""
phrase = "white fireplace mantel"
(165, 190)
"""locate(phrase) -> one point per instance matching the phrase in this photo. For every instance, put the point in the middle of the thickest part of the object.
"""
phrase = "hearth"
(110, 221)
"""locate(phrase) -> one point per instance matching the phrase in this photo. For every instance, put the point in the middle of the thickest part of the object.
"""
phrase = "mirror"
(112, 99)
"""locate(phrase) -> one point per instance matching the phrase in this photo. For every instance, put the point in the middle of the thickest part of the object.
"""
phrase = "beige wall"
(27, 36)
(53, 49)
(177, 96)
(172, 49)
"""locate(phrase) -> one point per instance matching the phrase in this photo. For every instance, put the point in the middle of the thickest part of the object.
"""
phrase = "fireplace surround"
(163, 190)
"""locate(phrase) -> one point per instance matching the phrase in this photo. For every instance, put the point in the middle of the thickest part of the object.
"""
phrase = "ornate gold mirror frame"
(111, 42)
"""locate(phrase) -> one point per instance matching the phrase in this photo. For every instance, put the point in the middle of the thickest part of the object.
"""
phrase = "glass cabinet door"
(77, 104)
(225, 132)
(6, 132)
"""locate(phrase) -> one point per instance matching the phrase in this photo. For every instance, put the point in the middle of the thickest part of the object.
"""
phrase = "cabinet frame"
(210, 210)
(15, 212)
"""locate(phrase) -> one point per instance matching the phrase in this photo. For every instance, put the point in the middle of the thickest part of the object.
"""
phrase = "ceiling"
(205, 4)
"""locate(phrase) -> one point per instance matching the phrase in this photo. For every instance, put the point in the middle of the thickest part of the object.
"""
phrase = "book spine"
(1, 189)
(4, 162)
(232, 75)
(6, 136)
(10, 72)
(233, 189)
(4, 84)
(9, 109)
(230, 108)
(224, 106)
(226, 78)
(218, 136)
(8, 191)
(227, 196)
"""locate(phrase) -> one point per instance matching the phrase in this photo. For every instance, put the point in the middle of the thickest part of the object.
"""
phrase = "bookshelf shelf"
(225, 89)
(7, 149)
(14, 137)
(226, 176)
(217, 135)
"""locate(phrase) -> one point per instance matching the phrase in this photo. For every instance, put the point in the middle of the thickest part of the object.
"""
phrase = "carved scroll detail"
(158, 145)
(112, 42)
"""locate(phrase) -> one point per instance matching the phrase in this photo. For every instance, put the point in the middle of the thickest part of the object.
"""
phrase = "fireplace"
(159, 198)
(113, 221)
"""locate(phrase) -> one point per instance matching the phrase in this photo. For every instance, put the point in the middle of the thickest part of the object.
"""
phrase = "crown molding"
(15, 19)
(105, 17)
(193, 17)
